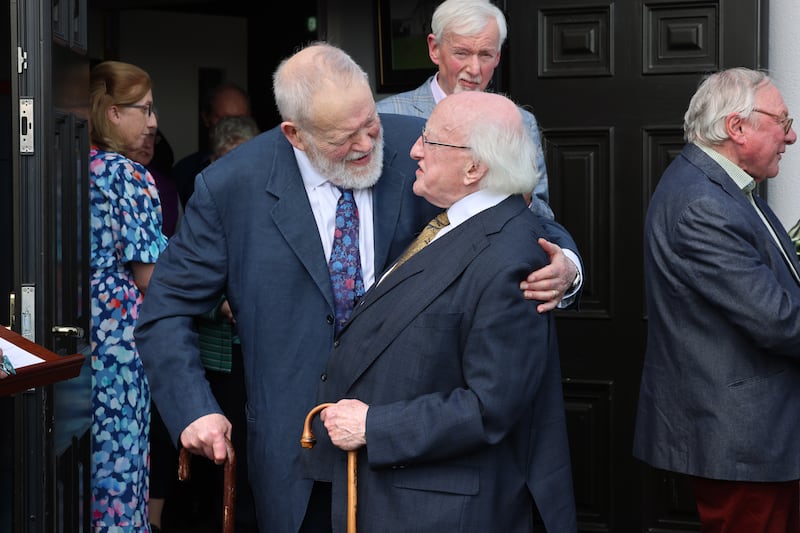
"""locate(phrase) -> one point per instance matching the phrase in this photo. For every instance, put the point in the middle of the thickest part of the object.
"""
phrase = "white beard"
(341, 174)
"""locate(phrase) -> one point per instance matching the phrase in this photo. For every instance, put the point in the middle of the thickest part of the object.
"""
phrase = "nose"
(791, 137)
(152, 121)
(363, 142)
(416, 149)
(473, 64)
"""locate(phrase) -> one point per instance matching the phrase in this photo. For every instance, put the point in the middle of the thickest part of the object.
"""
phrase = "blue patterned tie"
(345, 261)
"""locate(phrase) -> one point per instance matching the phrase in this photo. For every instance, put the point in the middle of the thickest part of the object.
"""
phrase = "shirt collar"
(472, 204)
(742, 179)
(311, 178)
(436, 89)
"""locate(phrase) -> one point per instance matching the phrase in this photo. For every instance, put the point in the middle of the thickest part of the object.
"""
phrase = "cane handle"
(308, 441)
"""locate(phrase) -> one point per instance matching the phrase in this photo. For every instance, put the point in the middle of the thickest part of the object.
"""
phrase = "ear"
(474, 173)
(734, 128)
(292, 134)
(112, 113)
(433, 49)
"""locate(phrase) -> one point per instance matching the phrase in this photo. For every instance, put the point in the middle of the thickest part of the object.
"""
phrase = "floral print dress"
(125, 218)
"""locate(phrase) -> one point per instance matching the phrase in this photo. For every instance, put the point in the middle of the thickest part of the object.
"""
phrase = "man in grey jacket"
(465, 43)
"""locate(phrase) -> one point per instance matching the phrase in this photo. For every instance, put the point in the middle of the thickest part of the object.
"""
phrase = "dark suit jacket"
(466, 423)
(249, 232)
(721, 383)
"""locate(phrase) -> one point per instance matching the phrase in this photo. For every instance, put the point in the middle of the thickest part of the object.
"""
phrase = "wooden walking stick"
(229, 483)
(308, 441)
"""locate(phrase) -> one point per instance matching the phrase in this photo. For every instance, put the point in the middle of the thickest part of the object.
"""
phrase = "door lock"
(67, 331)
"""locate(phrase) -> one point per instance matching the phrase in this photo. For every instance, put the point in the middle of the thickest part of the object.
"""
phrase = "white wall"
(148, 39)
(783, 192)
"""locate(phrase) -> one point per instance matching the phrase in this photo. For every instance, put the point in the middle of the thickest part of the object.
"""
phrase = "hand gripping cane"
(229, 487)
(308, 441)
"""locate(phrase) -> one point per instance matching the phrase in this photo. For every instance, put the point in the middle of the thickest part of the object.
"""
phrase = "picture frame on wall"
(403, 28)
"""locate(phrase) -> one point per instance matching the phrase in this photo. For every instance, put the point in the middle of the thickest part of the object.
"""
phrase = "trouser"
(747, 507)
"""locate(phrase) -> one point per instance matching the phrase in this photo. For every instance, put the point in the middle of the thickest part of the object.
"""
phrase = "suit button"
(324, 377)
(336, 344)
(329, 319)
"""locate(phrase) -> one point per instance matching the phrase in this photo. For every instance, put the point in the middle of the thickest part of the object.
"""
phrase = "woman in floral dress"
(126, 240)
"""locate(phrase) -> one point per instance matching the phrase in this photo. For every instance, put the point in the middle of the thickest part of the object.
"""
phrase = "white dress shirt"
(323, 197)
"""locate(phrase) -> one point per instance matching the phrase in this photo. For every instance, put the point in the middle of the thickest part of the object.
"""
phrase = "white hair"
(720, 94)
(508, 153)
(295, 84)
(467, 17)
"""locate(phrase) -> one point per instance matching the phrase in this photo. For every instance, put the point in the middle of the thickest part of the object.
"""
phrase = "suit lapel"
(419, 281)
(789, 252)
(423, 99)
(718, 175)
(387, 197)
(427, 276)
(293, 216)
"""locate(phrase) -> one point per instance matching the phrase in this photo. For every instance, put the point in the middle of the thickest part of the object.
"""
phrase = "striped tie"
(425, 237)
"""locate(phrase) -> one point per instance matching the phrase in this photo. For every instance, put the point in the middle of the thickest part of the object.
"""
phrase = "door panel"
(611, 83)
(51, 259)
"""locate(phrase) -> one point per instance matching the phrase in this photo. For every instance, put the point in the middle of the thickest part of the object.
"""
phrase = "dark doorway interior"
(274, 29)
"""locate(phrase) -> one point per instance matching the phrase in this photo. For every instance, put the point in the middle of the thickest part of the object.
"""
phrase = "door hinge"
(22, 60)
(26, 125)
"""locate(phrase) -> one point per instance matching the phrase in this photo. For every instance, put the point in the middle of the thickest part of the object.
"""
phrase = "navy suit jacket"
(466, 424)
(720, 388)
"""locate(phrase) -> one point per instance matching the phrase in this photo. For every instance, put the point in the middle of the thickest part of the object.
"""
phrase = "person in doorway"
(225, 100)
(126, 240)
(465, 43)
(721, 373)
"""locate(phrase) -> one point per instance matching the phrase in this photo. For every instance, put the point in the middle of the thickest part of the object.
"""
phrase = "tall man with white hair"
(465, 43)
(720, 388)
(447, 381)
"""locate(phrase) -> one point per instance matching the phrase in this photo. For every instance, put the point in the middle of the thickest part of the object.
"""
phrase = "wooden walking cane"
(308, 441)
(229, 483)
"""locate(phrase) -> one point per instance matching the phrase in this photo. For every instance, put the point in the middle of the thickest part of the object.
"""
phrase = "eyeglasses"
(435, 143)
(784, 121)
(148, 109)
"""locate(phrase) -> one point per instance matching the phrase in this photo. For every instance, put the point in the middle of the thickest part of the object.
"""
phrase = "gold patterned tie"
(424, 238)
